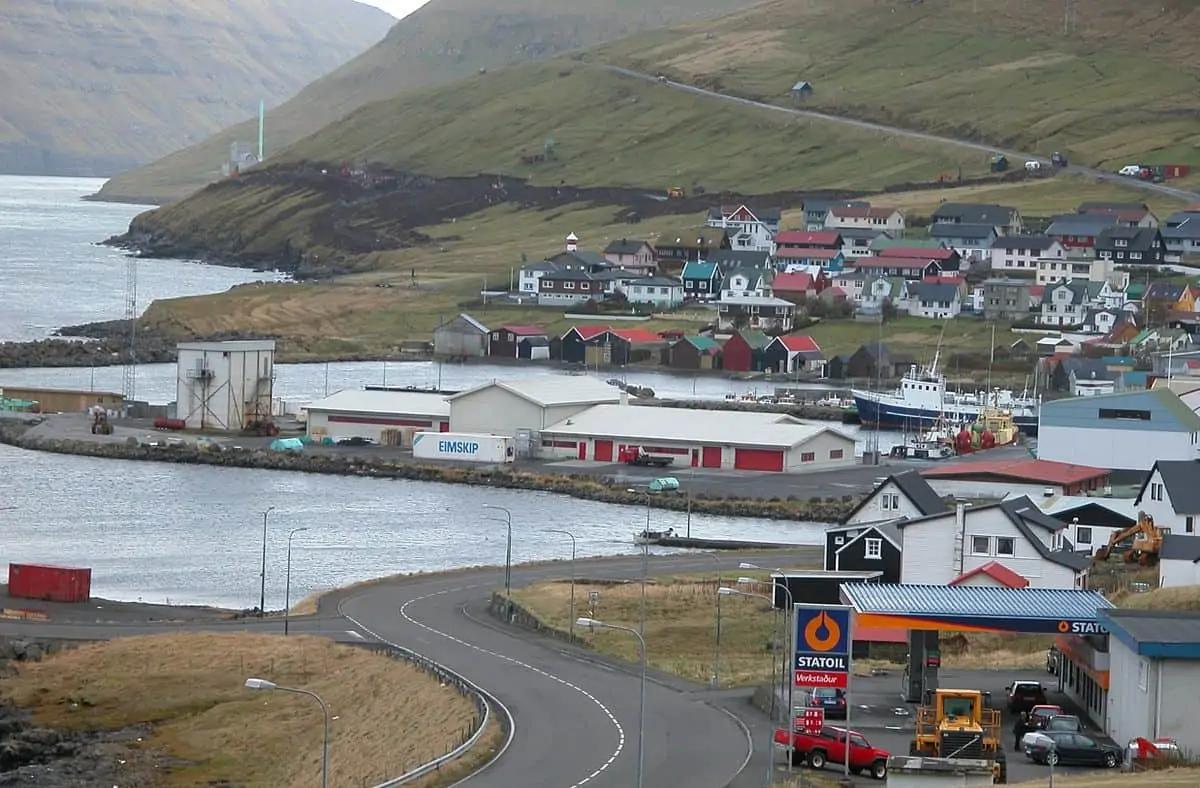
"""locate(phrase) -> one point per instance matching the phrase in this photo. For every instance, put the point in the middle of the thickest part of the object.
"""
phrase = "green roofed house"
(701, 281)
(698, 352)
(745, 351)
(1126, 432)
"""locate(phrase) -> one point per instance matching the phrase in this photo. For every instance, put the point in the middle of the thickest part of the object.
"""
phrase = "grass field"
(1117, 86)
(911, 336)
(387, 715)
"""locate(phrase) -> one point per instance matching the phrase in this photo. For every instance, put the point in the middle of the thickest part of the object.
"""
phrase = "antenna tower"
(129, 389)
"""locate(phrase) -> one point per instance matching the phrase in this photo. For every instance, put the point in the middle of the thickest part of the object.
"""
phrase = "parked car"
(1055, 747)
(1131, 170)
(832, 700)
(1024, 695)
(1063, 723)
(829, 746)
(1039, 714)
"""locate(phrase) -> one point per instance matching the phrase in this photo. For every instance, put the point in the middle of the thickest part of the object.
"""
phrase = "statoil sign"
(1082, 628)
(458, 447)
(822, 639)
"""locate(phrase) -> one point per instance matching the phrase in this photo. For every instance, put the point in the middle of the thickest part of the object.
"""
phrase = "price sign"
(810, 721)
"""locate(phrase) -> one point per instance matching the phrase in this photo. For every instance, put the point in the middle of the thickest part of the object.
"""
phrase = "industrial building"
(1129, 431)
(224, 385)
(1001, 478)
(461, 337)
(699, 438)
(62, 400)
(370, 414)
(523, 408)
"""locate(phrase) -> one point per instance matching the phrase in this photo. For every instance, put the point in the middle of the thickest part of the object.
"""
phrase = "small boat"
(644, 537)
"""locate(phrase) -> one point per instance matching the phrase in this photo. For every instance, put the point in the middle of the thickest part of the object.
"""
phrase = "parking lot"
(878, 712)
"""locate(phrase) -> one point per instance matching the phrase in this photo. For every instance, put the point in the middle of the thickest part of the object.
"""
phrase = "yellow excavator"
(953, 723)
(1144, 540)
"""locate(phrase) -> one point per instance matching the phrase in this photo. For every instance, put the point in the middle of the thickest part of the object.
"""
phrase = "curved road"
(1021, 156)
(574, 713)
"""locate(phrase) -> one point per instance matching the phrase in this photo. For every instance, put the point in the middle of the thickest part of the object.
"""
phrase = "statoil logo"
(1081, 628)
(822, 633)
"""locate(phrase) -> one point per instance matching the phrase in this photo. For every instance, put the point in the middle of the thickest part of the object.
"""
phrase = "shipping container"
(1176, 170)
(463, 447)
(49, 583)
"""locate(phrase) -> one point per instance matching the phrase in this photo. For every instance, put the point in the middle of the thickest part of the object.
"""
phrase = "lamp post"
(263, 684)
(641, 757)
(262, 575)
(645, 562)
(566, 533)
(287, 585)
(716, 677)
(507, 561)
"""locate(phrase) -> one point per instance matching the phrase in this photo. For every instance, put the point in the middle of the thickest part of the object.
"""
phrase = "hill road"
(1022, 156)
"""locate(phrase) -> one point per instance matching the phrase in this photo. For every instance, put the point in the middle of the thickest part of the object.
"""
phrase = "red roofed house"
(623, 346)
(825, 259)
(506, 341)
(999, 478)
(908, 267)
(949, 259)
(793, 353)
(797, 288)
(795, 240)
(573, 345)
(992, 575)
(854, 217)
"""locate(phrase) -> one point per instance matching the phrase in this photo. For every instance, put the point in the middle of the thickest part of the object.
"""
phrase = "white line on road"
(354, 634)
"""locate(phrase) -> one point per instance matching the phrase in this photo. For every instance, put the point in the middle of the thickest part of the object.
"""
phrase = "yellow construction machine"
(676, 193)
(1140, 543)
(954, 724)
(100, 423)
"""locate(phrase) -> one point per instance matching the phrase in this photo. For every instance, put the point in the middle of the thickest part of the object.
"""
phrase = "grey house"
(1003, 217)
(461, 337)
(1006, 299)
(969, 240)
(1181, 235)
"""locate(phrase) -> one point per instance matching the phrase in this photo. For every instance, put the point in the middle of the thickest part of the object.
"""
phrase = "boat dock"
(720, 544)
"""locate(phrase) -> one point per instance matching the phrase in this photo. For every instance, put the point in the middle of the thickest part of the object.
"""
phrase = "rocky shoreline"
(15, 432)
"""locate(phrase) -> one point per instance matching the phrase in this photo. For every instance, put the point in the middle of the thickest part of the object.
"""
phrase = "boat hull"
(898, 417)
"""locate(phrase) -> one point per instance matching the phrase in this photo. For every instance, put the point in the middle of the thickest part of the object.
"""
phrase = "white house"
(1051, 269)
(934, 300)
(1064, 304)
(1023, 252)
(1015, 534)
(878, 289)
(747, 282)
(657, 290)
(1090, 520)
(857, 217)
(1171, 495)
(528, 276)
(901, 495)
(749, 229)
(1179, 561)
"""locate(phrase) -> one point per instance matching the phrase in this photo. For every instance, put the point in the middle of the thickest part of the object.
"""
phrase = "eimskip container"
(463, 447)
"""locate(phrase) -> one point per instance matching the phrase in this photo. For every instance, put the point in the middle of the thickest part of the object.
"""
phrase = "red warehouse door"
(711, 457)
(757, 460)
(604, 451)
(583, 450)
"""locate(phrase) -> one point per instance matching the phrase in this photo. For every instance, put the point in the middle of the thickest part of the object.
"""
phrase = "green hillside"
(441, 42)
(1116, 82)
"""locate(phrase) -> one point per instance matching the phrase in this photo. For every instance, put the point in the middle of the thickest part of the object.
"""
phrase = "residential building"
(1128, 214)
(875, 360)
(1171, 495)
(689, 246)
(658, 291)
(694, 352)
(847, 284)
(890, 220)
(1022, 252)
(748, 228)
(1126, 431)
(1070, 370)
(1090, 520)
(948, 259)
(878, 290)
(1161, 299)
(816, 212)
(1004, 218)
(796, 288)
(635, 256)
(762, 312)
(701, 281)
(728, 259)
(904, 495)
(1131, 246)
(828, 260)
(622, 346)
(575, 259)
(528, 276)
(748, 281)
(857, 243)
(1100, 321)
(573, 346)
(936, 301)
(981, 478)
(1006, 299)
(1064, 304)
(1179, 560)
(915, 268)
(791, 354)
(519, 342)
(793, 240)
(1088, 268)
(1181, 235)
(971, 241)
(743, 352)
(864, 548)
(942, 547)
(461, 337)
(1079, 231)
(556, 288)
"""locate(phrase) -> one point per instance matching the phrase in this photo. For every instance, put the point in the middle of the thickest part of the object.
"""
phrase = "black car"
(1024, 695)
(832, 700)
(1055, 747)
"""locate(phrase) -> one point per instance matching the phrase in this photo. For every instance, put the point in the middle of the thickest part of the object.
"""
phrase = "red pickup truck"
(829, 746)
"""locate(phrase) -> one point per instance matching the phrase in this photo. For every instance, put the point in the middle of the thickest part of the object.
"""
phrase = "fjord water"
(193, 534)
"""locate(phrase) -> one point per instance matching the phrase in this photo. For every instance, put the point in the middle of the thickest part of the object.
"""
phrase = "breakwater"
(16, 432)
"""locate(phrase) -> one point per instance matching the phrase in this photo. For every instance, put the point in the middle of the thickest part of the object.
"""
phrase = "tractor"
(954, 724)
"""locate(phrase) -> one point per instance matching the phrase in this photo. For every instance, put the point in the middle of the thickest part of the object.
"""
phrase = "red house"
(744, 351)
(801, 239)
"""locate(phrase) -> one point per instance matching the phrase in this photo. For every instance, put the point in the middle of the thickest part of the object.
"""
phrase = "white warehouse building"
(526, 407)
(224, 385)
(371, 413)
(699, 438)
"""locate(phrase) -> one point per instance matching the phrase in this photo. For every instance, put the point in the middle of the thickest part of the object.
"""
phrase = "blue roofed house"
(701, 281)
(1128, 431)
(971, 241)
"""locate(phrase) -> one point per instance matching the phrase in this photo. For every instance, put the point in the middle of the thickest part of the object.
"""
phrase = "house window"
(1006, 545)
(889, 502)
(1083, 535)
(874, 548)
(1189, 524)
(808, 456)
(1156, 491)
(568, 285)
(839, 540)
(981, 545)
(835, 454)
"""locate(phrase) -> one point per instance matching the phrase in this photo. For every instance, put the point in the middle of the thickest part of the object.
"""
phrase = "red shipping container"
(49, 583)
(1176, 170)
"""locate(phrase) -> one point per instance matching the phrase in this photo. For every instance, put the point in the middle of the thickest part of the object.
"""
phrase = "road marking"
(611, 717)
(354, 634)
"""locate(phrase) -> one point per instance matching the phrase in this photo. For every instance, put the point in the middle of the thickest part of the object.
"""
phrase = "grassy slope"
(131, 80)
(1121, 86)
(443, 41)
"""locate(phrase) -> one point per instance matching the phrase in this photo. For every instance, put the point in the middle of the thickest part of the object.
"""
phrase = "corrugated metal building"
(461, 337)
(523, 408)
(63, 400)
(368, 414)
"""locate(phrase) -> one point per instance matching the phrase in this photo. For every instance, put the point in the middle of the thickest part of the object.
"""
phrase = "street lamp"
(645, 561)
(571, 633)
(262, 597)
(641, 758)
(716, 677)
(507, 561)
(287, 586)
(263, 684)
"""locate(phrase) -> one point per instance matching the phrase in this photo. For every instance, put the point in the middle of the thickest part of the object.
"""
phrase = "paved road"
(1017, 156)
(575, 714)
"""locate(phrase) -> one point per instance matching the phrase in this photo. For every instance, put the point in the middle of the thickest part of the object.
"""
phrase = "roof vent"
(1048, 492)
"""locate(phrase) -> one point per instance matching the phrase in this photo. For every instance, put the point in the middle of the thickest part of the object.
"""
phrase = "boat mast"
(991, 362)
